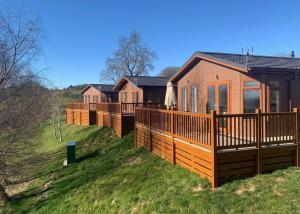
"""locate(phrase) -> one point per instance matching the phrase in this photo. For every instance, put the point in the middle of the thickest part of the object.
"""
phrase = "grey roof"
(148, 80)
(255, 61)
(103, 87)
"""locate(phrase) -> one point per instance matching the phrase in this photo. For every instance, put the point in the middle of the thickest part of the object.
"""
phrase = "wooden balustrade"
(221, 147)
(231, 130)
(195, 128)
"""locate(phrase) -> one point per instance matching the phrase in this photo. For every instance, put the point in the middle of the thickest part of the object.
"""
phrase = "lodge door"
(218, 100)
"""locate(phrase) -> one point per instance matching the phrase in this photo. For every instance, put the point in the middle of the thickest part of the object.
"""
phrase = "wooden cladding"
(78, 117)
(229, 146)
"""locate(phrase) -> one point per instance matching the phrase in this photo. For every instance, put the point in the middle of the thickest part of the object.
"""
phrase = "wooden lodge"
(99, 93)
(218, 131)
(141, 89)
(236, 83)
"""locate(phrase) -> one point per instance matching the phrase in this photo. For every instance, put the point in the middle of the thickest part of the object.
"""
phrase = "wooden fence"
(221, 147)
(119, 116)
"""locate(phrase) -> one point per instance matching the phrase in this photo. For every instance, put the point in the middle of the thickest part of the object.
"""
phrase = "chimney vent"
(293, 54)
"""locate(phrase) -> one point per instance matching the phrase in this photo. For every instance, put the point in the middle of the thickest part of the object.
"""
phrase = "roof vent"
(293, 54)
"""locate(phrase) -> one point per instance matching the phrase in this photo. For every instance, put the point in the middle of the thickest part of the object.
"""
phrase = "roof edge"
(200, 55)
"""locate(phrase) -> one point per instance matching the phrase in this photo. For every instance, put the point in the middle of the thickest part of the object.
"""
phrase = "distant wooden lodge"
(237, 83)
(99, 93)
(141, 89)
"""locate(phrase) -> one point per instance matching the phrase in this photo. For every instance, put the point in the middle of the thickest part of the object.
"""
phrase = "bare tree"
(168, 71)
(57, 109)
(133, 58)
(21, 93)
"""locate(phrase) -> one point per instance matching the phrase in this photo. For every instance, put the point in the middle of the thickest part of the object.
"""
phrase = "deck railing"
(124, 108)
(231, 131)
(195, 128)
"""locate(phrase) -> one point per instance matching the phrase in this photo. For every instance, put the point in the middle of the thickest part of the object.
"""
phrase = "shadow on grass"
(69, 178)
(88, 156)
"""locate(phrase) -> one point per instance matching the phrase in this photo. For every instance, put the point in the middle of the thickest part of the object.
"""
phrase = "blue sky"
(82, 33)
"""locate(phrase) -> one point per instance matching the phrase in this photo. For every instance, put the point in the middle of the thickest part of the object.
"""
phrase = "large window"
(194, 98)
(184, 99)
(251, 100)
(211, 102)
(251, 96)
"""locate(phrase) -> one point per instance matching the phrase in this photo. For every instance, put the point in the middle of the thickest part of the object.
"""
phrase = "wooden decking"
(245, 146)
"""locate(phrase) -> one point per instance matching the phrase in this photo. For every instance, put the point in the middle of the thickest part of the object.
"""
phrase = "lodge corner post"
(213, 138)
(297, 136)
(258, 140)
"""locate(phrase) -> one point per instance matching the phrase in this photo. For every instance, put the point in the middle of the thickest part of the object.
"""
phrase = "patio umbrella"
(170, 99)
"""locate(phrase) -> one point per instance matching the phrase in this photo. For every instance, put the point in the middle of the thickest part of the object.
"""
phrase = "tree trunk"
(54, 128)
(59, 126)
(3, 195)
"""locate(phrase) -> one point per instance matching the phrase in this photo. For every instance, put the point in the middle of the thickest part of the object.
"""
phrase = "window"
(184, 99)
(251, 100)
(194, 98)
(123, 97)
(94, 99)
(85, 98)
(274, 101)
(211, 102)
(135, 97)
(252, 84)
(251, 96)
(89, 98)
(223, 99)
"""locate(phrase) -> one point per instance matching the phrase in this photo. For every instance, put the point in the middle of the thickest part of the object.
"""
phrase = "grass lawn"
(111, 176)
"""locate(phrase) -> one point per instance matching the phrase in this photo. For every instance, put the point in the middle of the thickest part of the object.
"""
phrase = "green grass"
(113, 177)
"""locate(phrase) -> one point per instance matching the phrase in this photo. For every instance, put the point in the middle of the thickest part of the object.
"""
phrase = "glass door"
(274, 100)
(222, 103)
(223, 99)
(211, 98)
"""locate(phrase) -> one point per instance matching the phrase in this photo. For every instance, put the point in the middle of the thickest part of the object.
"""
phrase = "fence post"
(214, 148)
(258, 141)
(172, 132)
(297, 111)
(150, 134)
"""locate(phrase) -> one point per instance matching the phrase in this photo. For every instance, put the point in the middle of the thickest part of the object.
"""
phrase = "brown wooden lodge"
(237, 115)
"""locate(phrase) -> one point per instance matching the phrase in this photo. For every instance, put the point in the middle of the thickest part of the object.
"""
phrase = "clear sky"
(82, 33)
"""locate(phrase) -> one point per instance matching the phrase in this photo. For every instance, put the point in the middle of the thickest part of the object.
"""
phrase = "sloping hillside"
(111, 176)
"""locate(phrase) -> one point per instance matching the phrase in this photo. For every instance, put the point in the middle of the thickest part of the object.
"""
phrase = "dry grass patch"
(245, 188)
(280, 180)
(198, 188)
